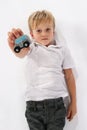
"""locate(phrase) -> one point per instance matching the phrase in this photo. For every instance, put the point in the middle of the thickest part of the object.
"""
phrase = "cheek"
(36, 37)
(52, 35)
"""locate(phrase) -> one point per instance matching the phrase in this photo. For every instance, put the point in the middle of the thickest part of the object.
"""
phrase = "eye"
(48, 29)
(39, 30)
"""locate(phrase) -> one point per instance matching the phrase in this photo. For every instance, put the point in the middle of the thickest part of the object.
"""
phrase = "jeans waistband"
(46, 102)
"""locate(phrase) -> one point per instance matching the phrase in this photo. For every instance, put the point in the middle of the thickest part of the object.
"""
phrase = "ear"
(31, 33)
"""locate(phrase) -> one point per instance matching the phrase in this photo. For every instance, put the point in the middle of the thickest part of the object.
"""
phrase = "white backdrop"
(71, 19)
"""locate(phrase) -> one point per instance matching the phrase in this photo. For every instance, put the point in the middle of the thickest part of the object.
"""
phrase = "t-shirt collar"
(55, 44)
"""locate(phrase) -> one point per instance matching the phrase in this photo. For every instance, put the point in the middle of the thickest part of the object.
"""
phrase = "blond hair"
(38, 17)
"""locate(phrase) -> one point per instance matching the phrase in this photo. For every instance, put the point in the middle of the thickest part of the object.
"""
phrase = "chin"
(45, 44)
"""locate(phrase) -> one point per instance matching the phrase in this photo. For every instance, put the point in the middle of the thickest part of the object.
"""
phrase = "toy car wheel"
(17, 49)
(26, 44)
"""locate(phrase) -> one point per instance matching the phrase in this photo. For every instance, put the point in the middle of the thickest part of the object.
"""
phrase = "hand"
(72, 110)
(12, 35)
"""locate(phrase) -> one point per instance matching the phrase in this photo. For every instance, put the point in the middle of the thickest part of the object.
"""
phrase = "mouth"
(45, 39)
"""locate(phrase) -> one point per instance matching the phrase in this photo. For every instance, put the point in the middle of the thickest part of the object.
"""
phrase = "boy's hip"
(49, 111)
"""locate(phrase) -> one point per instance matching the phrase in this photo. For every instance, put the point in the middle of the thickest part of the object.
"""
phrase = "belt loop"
(34, 105)
(55, 103)
(44, 104)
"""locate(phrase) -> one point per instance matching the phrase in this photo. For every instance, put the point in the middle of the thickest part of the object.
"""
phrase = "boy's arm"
(69, 77)
(14, 34)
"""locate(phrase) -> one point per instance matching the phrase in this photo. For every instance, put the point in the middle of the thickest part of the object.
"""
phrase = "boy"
(49, 75)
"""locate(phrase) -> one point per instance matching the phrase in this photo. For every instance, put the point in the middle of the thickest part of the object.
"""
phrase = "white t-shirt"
(44, 71)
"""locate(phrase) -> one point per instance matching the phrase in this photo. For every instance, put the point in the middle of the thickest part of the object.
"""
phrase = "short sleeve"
(32, 47)
(67, 59)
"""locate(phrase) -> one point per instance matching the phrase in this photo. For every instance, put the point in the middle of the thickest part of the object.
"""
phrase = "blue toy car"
(21, 42)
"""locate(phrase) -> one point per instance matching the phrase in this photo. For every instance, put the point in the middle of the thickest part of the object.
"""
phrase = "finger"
(11, 36)
(69, 115)
(10, 43)
(16, 33)
(20, 31)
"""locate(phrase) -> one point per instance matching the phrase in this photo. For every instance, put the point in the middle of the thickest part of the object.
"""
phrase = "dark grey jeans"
(46, 115)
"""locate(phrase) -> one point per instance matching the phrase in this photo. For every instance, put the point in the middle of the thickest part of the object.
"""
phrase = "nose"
(43, 33)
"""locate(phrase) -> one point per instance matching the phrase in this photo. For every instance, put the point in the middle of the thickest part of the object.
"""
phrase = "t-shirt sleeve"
(31, 48)
(68, 61)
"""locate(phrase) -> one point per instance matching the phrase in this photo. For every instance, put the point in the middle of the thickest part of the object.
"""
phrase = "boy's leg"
(34, 117)
(56, 115)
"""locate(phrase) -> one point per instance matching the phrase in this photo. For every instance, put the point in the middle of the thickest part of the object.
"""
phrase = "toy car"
(21, 42)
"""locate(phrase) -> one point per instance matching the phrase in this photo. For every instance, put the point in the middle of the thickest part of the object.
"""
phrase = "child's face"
(43, 34)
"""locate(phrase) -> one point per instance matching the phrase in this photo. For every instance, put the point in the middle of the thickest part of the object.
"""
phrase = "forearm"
(71, 85)
(71, 88)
